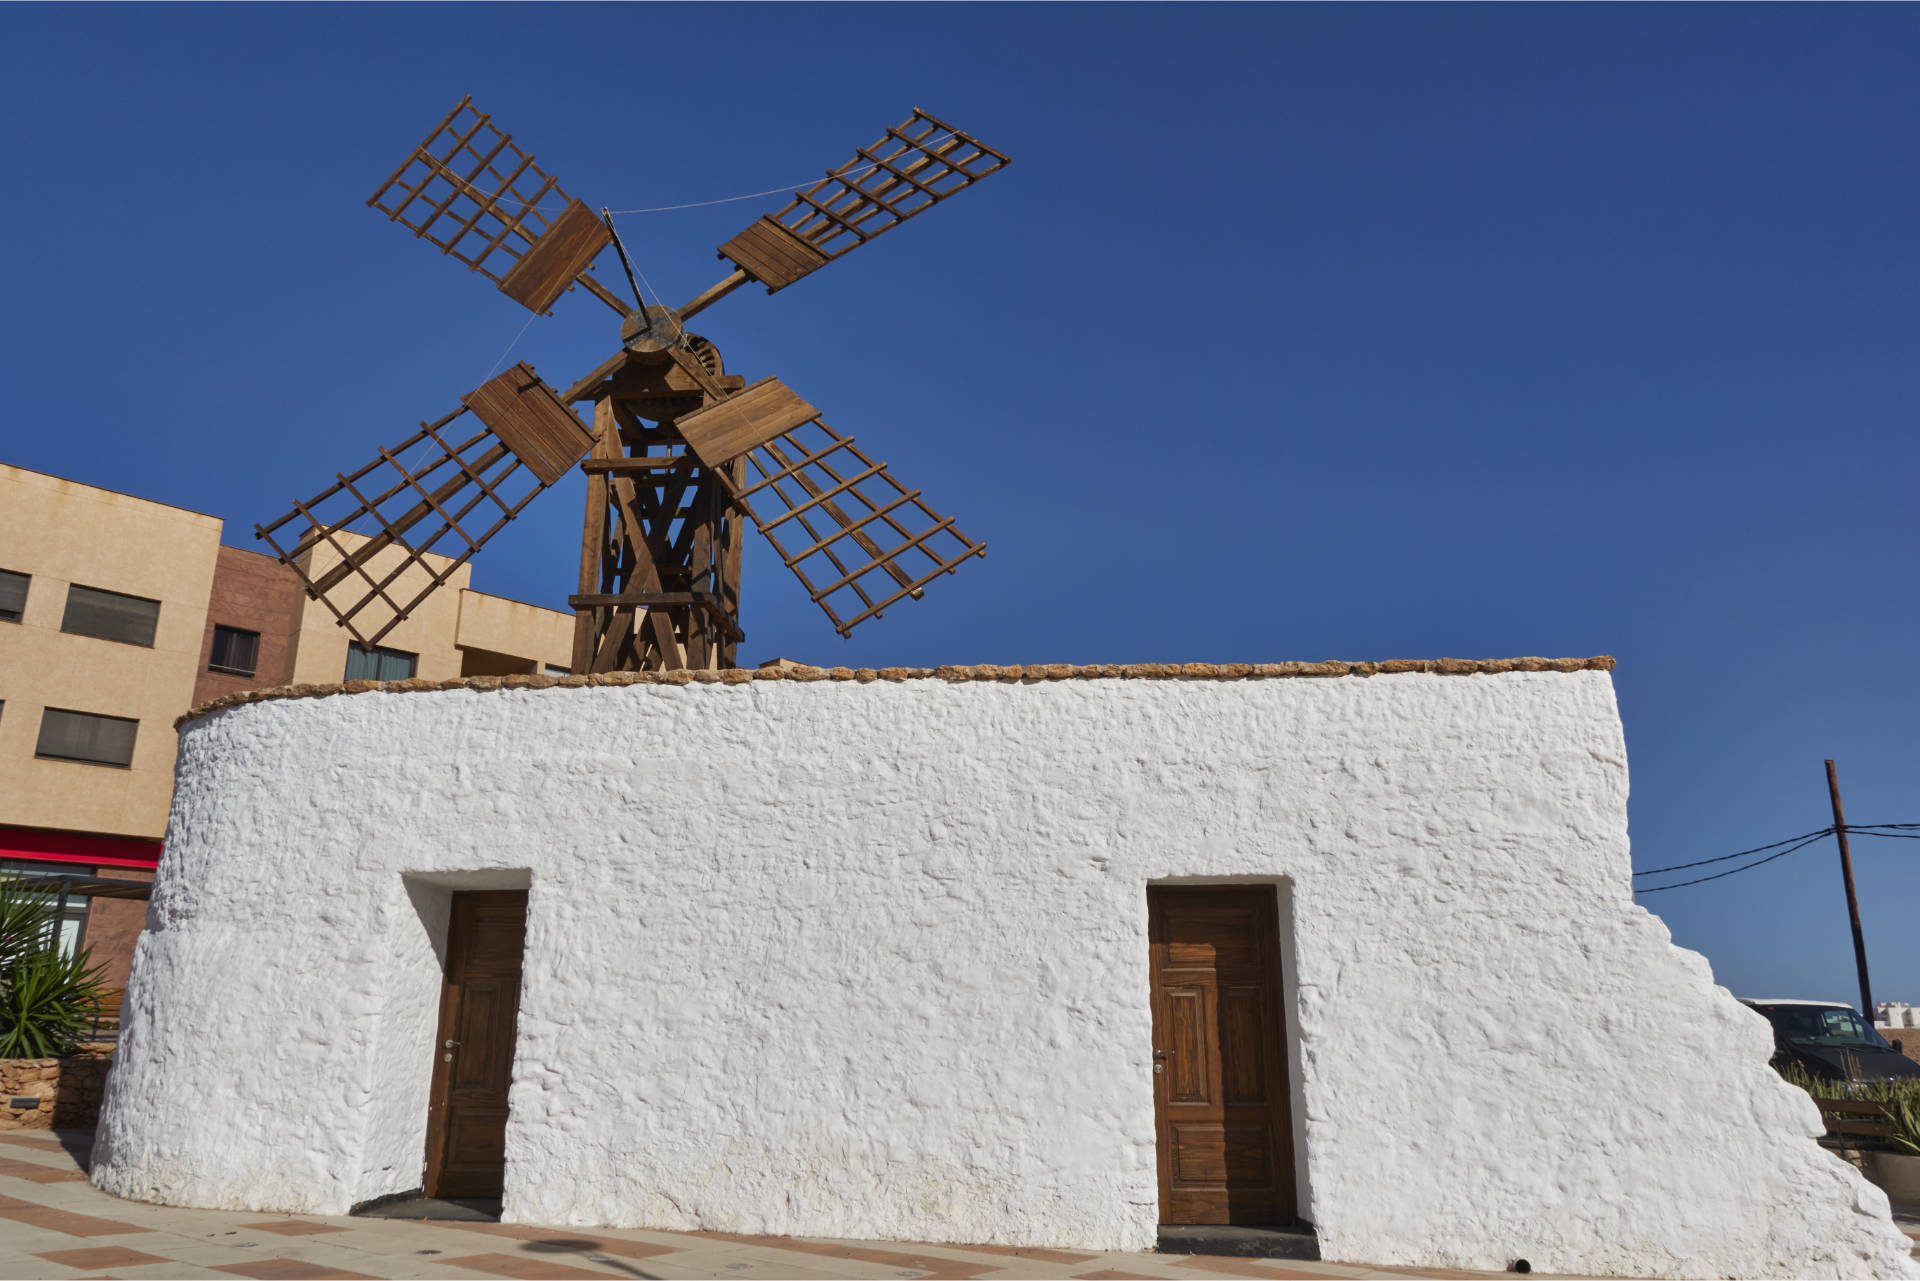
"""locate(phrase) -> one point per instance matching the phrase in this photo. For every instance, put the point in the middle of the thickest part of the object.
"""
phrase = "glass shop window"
(235, 652)
(378, 664)
(113, 616)
(13, 595)
(72, 921)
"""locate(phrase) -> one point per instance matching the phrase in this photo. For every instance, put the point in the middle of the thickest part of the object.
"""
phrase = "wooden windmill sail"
(677, 452)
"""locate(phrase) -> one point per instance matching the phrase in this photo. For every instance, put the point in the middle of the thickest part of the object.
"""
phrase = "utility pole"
(1853, 901)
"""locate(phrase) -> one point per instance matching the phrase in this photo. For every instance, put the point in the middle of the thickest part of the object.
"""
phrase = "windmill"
(679, 452)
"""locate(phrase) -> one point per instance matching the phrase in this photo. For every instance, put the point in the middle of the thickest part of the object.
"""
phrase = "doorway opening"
(473, 1049)
(1222, 1099)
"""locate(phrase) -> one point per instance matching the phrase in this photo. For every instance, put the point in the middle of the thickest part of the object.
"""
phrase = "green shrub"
(48, 1001)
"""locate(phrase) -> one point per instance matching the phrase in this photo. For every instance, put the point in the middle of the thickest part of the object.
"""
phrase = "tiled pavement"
(53, 1223)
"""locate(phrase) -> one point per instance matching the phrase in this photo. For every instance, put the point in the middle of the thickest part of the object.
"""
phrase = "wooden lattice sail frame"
(470, 190)
(859, 539)
(436, 497)
(679, 455)
(914, 166)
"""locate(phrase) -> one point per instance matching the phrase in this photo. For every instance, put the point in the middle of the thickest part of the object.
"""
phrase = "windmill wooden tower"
(679, 452)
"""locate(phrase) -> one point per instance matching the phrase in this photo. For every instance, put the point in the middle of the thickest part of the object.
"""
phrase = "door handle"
(1158, 1054)
(451, 1044)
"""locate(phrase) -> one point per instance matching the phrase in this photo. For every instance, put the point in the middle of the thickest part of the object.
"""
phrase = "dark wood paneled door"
(473, 1054)
(1220, 1096)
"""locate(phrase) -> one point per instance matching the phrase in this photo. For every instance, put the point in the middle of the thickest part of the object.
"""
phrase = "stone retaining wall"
(66, 1092)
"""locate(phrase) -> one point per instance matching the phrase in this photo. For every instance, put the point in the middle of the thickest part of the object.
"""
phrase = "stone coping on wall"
(1029, 673)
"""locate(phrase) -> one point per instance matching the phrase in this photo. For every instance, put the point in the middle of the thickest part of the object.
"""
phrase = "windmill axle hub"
(651, 329)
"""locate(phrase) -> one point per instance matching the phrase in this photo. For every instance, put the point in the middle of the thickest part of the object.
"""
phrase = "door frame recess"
(1287, 958)
(446, 1032)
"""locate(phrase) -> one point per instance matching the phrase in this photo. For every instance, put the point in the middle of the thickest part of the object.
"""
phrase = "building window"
(13, 595)
(112, 616)
(235, 652)
(70, 922)
(85, 737)
(554, 669)
(379, 664)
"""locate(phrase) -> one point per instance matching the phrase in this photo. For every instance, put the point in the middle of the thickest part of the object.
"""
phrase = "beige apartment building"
(117, 614)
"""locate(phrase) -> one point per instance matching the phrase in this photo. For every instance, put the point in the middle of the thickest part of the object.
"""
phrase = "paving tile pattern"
(105, 1256)
(53, 1224)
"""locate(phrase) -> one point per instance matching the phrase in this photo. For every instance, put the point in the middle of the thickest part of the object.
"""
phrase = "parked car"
(1831, 1041)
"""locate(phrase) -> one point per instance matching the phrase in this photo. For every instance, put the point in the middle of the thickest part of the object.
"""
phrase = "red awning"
(70, 847)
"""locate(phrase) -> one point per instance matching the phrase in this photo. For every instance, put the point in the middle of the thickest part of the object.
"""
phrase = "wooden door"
(1221, 1105)
(473, 1054)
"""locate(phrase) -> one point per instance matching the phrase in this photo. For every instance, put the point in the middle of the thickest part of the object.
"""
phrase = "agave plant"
(1903, 1108)
(1901, 1097)
(26, 921)
(48, 1000)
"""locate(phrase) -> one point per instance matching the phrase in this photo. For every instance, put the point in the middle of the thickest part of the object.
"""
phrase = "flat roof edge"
(117, 493)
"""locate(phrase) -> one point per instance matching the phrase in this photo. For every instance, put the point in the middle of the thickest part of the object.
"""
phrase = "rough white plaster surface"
(870, 961)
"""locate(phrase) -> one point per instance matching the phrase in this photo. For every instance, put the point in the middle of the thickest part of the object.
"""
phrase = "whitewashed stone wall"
(870, 961)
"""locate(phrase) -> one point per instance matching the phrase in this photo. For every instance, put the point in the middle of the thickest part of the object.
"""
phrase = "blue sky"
(1292, 332)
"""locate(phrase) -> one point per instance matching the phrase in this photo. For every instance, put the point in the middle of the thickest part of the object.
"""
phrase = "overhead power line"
(860, 171)
(1758, 849)
(1748, 867)
(1840, 830)
(1794, 843)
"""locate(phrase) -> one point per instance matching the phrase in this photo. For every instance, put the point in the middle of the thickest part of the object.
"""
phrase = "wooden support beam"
(583, 389)
(596, 600)
(733, 475)
(644, 572)
(618, 636)
(593, 538)
(656, 462)
(714, 293)
(709, 601)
